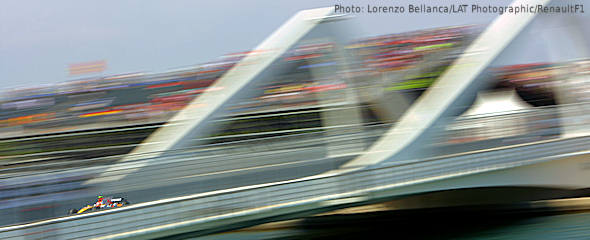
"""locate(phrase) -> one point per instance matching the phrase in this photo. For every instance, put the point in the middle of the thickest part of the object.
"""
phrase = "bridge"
(193, 190)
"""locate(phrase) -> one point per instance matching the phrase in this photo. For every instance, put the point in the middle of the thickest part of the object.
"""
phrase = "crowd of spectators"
(307, 70)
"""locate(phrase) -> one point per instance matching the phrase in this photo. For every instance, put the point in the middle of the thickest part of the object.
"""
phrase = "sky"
(39, 38)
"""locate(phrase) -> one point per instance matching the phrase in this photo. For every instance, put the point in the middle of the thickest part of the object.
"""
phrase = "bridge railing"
(219, 209)
(540, 122)
(34, 186)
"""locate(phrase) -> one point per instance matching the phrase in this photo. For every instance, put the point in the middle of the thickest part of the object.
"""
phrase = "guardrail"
(229, 156)
(544, 121)
(225, 156)
(118, 141)
(310, 137)
(219, 209)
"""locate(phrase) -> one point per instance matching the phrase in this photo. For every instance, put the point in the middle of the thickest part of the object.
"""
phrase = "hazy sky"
(40, 38)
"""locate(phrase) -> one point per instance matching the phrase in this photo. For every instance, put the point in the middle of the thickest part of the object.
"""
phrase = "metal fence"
(220, 208)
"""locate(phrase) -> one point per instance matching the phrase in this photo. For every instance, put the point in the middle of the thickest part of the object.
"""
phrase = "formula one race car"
(101, 204)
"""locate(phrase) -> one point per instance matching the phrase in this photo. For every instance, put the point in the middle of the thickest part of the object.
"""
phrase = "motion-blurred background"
(87, 83)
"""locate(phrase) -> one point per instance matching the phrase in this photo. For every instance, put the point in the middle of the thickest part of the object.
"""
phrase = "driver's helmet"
(100, 198)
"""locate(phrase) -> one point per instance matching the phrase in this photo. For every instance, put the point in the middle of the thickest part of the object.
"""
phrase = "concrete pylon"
(454, 87)
(192, 121)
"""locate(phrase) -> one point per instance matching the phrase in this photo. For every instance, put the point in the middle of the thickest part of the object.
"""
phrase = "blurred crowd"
(408, 62)
(411, 61)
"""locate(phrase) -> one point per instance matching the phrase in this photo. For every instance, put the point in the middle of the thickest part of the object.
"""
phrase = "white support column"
(405, 139)
(192, 121)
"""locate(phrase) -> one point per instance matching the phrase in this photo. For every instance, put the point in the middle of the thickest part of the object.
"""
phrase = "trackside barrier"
(520, 122)
(23, 187)
(218, 209)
